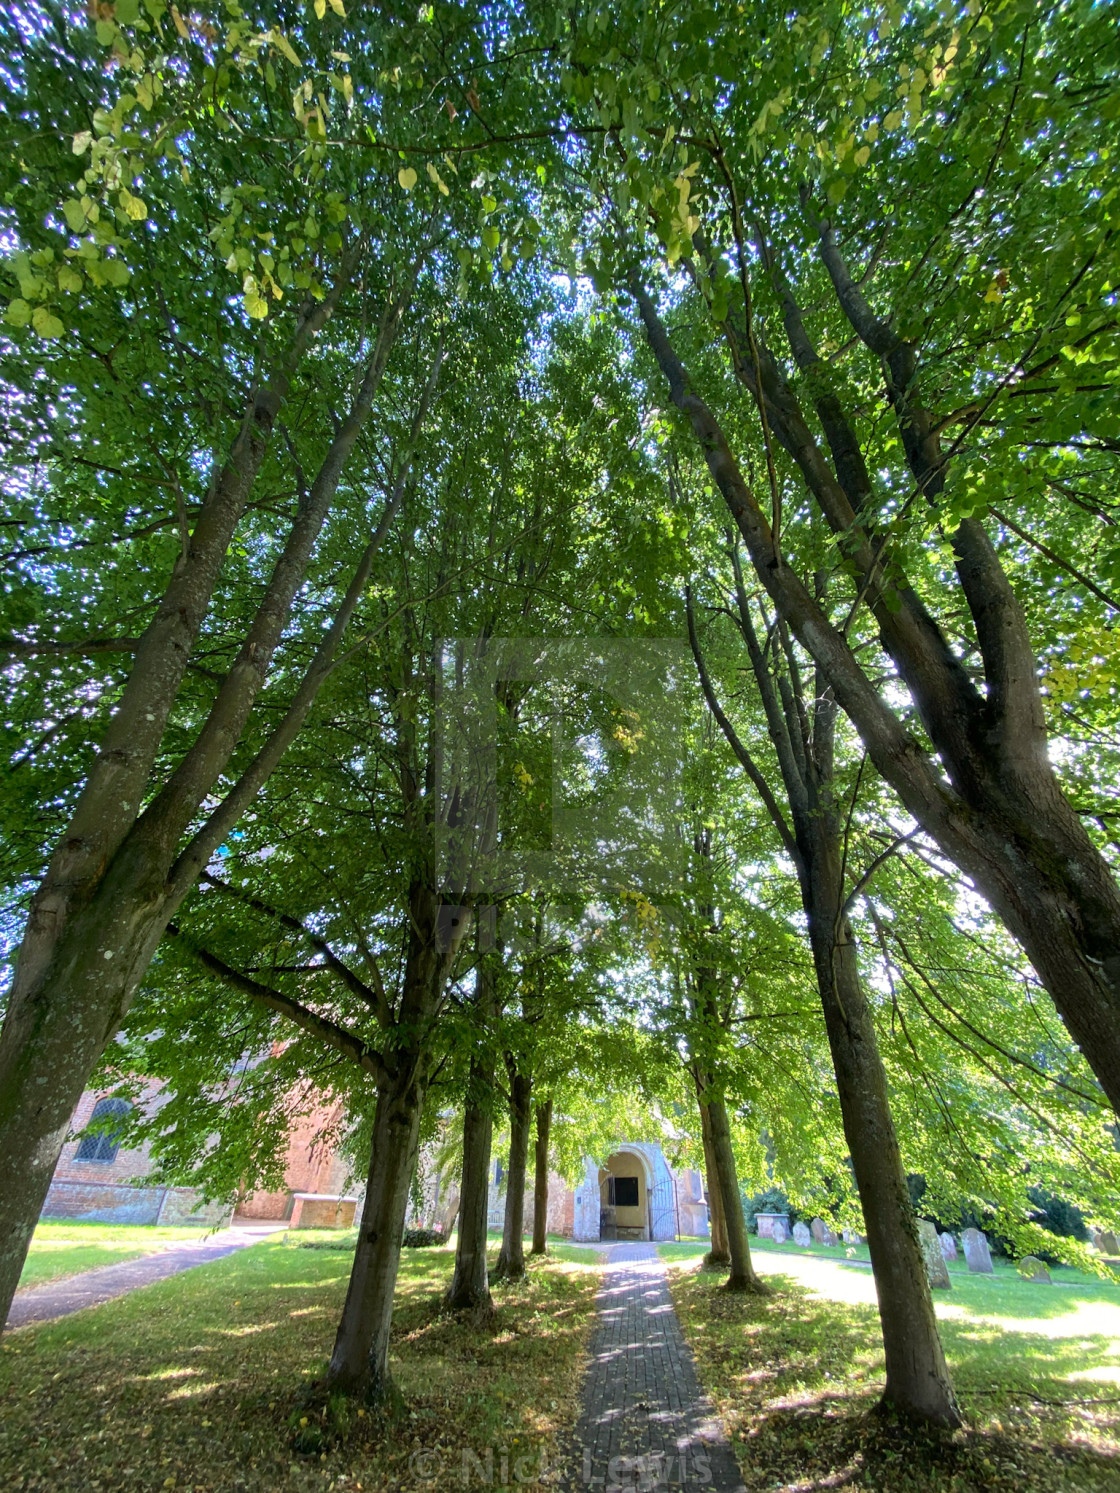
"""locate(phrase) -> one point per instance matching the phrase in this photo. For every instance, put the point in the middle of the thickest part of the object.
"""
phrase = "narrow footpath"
(58, 1298)
(645, 1423)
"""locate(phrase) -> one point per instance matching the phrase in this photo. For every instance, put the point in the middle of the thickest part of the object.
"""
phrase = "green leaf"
(18, 313)
(46, 323)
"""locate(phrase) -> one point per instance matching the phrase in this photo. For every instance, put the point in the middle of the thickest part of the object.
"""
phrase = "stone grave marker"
(948, 1247)
(1107, 1242)
(778, 1231)
(976, 1252)
(1032, 1268)
(801, 1235)
(818, 1230)
(936, 1269)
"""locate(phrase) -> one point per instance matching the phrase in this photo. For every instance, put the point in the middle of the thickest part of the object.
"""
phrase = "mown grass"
(191, 1383)
(795, 1375)
(62, 1249)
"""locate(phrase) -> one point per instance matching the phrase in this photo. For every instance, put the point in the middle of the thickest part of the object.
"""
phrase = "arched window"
(104, 1145)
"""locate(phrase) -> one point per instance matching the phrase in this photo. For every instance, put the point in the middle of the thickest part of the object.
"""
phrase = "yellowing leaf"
(180, 24)
(893, 120)
(256, 305)
(320, 8)
(337, 7)
(69, 279)
(407, 178)
(18, 313)
(862, 155)
(46, 323)
(135, 207)
(82, 142)
(437, 179)
(282, 44)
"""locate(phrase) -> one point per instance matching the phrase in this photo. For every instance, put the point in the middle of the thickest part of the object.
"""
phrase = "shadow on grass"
(797, 1379)
(191, 1382)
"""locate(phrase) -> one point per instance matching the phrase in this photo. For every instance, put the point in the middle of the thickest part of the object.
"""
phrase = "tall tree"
(801, 725)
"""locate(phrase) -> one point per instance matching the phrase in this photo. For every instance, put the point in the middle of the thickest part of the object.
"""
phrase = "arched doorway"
(624, 1197)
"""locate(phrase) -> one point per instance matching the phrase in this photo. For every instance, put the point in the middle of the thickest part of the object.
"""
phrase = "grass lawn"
(61, 1249)
(1037, 1371)
(191, 1383)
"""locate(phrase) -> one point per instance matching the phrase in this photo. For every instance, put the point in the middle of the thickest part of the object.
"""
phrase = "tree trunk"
(470, 1284)
(918, 1383)
(360, 1362)
(1005, 821)
(101, 909)
(540, 1179)
(720, 1252)
(511, 1256)
(742, 1277)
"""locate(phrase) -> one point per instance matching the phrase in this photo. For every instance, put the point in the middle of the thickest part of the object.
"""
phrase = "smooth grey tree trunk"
(720, 1252)
(540, 1179)
(360, 1362)
(918, 1380)
(742, 1277)
(470, 1283)
(109, 891)
(511, 1257)
(1003, 818)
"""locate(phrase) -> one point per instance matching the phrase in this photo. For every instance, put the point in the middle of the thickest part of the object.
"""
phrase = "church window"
(104, 1145)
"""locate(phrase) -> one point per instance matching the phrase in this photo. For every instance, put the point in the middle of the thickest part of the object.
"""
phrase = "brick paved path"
(61, 1297)
(646, 1423)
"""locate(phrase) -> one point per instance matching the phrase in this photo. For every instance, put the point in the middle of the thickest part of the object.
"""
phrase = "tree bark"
(720, 1251)
(540, 1179)
(918, 1382)
(511, 1256)
(98, 916)
(742, 1277)
(470, 1283)
(360, 1362)
(1002, 817)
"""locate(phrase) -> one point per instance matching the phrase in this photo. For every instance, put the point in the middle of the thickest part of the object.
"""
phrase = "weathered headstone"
(1030, 1267)
(976, 1252)
(778, 1231)
(765, 1223)
(1107, 1242)
(948, 1247)
(818, 1230)
(850, 1236)
(801, 1235)
(937, 1271)
(830, 1237)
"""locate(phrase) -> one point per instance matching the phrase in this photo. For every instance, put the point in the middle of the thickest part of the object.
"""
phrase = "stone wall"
(111, 1202)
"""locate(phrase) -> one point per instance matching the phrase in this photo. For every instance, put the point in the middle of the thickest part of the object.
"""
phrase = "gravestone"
(976, 1252)
(1107, 1242)
(850, 1236)
(1032, 1268)
(766, 1222)
(778, 1231)
(937, 1271)
(818, 1230)
(948, 1247)
(801, 1235)
(830, 1238)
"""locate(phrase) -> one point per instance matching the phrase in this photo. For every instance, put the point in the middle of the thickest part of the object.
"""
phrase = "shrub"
(421, 1238)
(773, 1200)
